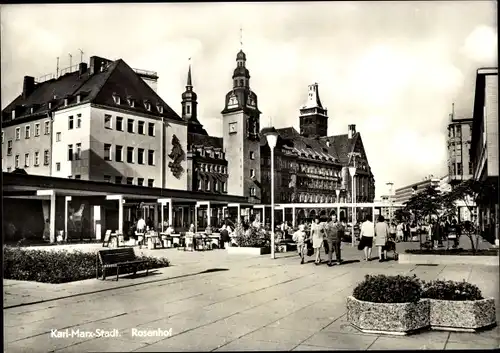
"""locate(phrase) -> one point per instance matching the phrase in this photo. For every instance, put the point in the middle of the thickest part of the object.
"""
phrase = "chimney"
(82, 68)
(97, 64)
(28, 86)
(351, 131)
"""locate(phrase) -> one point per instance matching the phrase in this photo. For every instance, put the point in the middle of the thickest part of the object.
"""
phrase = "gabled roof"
(343, 145)
(116, 79)
(205, 140)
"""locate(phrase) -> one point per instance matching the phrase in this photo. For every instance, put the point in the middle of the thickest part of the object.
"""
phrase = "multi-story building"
(102, 122)
(459, 138)
(310, 166)
(403, 194)
(484, 148)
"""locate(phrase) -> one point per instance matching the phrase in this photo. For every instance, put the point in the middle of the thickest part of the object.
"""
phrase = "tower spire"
(241, 37)
(189, 81)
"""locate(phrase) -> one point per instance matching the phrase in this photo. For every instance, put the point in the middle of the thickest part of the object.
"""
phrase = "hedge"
(60, 266)
(451, 290)
(389, 289)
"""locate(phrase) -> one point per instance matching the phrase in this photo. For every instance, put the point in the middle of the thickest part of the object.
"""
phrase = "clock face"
(232, 127)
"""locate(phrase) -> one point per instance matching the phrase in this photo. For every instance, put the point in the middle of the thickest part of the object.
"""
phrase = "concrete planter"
(467, 315)
(388, 318)
(241, 250)
(448, 260)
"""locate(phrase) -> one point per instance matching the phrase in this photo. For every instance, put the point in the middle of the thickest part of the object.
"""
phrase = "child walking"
(300, 238)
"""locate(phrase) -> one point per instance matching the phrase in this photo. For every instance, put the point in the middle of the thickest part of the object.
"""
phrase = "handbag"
(310, 250)
(360, 244)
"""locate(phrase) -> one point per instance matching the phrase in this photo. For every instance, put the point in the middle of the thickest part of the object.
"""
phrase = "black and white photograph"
(254, 176)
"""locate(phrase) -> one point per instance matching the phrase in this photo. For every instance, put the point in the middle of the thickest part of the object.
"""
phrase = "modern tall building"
(459, 139)
(403, 194)
(484, 148)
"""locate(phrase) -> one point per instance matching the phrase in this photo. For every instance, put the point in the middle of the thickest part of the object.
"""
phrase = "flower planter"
(388, 318)
(242, 250)
(467, 315)
(448, 260)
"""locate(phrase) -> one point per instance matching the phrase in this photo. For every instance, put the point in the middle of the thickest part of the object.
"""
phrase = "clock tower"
(241, 119)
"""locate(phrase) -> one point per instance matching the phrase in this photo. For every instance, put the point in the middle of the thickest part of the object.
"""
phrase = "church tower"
(190, 108)
(313, 117)
(241, 119)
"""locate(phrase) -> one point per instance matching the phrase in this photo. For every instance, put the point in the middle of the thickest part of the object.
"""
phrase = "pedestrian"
(399, 231)
(381, 236)
(334, 232)
(317, 234)
(366, 237)
(300, 238)
(392, 230)
(453, 233)
(413, 231)
(224, 236)
(435, 233)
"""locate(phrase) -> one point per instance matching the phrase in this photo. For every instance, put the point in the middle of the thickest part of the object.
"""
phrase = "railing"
(69, 69)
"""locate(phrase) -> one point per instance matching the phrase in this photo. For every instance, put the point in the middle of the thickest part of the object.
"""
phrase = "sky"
(392, 68)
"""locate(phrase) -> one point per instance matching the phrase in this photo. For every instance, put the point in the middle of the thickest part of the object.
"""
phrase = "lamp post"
(272, 138)
(390, 184)
(352, 172)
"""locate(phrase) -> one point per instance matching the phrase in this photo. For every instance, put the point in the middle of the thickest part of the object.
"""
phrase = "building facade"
(458, 143)
(484, 148)
(403, 194)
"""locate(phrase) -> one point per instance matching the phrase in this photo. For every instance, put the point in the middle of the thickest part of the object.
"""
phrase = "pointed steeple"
(190, 107)
(189, 81)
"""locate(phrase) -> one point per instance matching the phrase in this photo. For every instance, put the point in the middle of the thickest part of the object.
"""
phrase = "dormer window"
(65, 102)
(50, 105)
(116, 98)
(131, 102)
(78, 98)
(160, 109)
(147, 105)
(32, 110)
(14, 114)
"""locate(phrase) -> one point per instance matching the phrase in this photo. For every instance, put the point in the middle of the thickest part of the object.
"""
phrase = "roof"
(117, 79)
(343, 145)
(205, 140)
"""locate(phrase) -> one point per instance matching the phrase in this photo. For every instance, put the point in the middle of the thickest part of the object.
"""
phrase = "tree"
(402, 215)
(469, 192)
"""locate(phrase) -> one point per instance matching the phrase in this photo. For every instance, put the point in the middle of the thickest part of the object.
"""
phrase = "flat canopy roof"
(25, 184)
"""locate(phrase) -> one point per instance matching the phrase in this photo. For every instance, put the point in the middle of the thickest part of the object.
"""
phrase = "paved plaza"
(212, 301)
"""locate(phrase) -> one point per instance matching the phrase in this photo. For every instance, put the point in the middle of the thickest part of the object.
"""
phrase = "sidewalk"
(254, 303)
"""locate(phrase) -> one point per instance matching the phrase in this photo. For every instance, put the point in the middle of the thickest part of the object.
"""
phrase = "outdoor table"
(167, 239)
(152, 238)
(118, 238)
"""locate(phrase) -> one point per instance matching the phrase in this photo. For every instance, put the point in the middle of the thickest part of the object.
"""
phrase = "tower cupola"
(190, 107)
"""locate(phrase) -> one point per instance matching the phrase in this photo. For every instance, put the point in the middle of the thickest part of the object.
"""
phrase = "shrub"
(60, 266)
(451, 290)
(389, 289)
(252, 237)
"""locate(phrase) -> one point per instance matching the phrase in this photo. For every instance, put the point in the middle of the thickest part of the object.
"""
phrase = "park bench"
(116, 258)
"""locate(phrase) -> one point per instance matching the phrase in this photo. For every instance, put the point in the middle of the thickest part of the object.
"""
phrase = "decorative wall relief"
(177, 155)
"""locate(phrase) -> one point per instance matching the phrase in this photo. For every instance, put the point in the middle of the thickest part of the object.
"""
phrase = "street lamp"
(272, 138)
(352, 172)
(390, 184)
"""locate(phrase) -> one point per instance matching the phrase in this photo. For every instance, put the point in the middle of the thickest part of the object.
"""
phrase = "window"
(458, 131)
(27, 132)
(252, 173)
(107, 178)
(47, 127)
(252, 155)
(459, 168)
(207, 185)
(26, 159)
(119, 123)
(46, 157)
(471, 168)
(140, 155)
(223, 186)
(140, 181)
(118, 180)
(3, 136)
(151, 183)
(36, 162)
(119, 153)
(78, 151)
(107, 121)
(78, 176)
(147, 106)
(151, 157)
(130, 125)
(130, 154)
(140, 127)
(58, 167)
(188, 109)
(16, 162)
(37, 130)
(78, 121)
(252, 191)
(130, 181)
(70, 152)
(199, 184)
(151, 129)
(58, 136)
(70, 122)
(216, 186)
(107, 152)
(9, 148)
